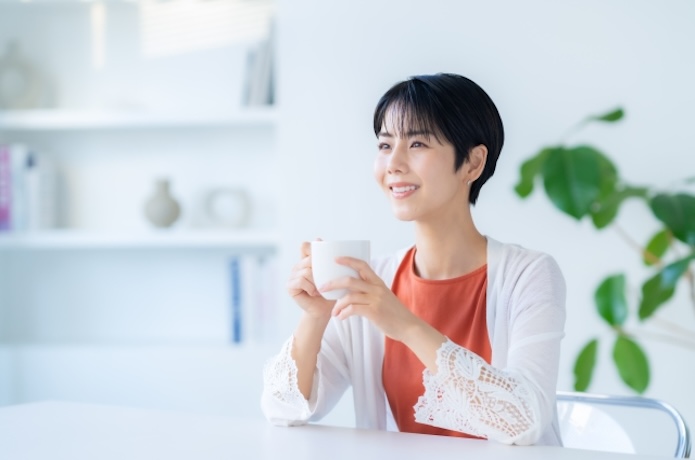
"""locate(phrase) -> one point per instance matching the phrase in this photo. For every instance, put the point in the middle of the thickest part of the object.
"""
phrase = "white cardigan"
(510, 401)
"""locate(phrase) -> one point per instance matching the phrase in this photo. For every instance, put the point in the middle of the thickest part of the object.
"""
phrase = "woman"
(457, 335)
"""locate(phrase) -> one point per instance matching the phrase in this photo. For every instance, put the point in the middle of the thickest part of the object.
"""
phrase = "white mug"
(325, 268)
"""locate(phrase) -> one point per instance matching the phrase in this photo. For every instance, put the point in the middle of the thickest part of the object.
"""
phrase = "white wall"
(6, 369)
(6, 353)
(113, 66)
(547, 65)
(215, 380)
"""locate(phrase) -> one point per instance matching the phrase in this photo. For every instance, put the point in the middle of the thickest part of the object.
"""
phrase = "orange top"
(456, 308)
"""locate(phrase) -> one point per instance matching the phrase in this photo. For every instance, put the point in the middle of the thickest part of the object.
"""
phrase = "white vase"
(161, 209)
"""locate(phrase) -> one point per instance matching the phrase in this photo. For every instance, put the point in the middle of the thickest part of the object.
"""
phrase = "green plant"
(582, 182)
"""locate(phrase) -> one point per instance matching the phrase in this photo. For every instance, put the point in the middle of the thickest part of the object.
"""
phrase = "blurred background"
(163, 160)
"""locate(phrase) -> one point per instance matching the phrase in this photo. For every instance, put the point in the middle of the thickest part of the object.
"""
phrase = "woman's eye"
(383, 146)
(417, 144)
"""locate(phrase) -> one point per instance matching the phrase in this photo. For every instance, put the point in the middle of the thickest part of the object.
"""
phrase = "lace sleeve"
(282, 402)
(468, 395)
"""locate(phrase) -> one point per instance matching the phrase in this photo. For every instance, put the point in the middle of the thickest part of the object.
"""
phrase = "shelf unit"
(72, 120)
(79, 122)
(108, 309)
(203, 239)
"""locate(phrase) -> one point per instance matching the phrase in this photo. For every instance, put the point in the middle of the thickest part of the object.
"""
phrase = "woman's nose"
(397, 160)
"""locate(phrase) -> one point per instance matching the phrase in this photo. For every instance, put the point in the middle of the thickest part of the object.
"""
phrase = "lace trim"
(470, 396)
(280, 379)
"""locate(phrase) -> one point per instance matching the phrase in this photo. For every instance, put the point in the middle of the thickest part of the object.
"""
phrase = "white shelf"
(71, 239)
(57, 120)
(64, 2)
(137, 346)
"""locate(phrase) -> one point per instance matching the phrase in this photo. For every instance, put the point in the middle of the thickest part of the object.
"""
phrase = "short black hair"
(449, 106)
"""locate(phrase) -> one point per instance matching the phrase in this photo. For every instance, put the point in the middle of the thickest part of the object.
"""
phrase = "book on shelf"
(5, 189)
(259, 87)
(28, 192)
(235, 298)
(252, 298)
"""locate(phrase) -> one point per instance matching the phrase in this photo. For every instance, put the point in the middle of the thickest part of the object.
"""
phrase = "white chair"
(583, 425)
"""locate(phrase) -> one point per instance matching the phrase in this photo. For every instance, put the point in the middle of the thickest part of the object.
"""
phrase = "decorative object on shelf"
(161, 209)
(228, 207)
(28, 189)
(20, 82)
(5, 189)
(259, 87)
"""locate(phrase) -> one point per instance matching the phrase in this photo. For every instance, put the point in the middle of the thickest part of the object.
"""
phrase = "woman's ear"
(477, 157)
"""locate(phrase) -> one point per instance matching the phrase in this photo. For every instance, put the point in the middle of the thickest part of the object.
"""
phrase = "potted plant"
(582, 182)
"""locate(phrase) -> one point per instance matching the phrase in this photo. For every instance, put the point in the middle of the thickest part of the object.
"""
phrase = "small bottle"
(161, 209)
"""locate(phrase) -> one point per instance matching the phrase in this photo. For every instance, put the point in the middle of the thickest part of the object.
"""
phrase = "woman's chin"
(404, 216)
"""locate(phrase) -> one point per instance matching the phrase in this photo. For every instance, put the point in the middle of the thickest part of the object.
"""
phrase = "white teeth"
(407, 188)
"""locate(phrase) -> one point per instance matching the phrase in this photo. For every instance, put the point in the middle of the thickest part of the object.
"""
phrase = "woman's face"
(416, 172)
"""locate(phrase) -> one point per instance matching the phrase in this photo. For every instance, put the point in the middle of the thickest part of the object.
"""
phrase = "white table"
(59, 430)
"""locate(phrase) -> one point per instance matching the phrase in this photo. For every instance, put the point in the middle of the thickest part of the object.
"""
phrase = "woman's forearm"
(305, 349)
(424, 341)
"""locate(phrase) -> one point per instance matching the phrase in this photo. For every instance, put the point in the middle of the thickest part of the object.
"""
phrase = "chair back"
(587, 421)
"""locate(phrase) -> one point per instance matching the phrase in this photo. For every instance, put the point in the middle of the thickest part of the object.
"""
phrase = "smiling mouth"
(407, 188)
(403, 191)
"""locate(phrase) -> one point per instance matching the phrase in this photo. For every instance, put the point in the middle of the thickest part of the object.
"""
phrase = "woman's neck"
(448, 250)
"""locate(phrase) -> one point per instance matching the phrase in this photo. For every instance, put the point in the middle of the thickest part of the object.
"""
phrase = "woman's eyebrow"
(407, 134)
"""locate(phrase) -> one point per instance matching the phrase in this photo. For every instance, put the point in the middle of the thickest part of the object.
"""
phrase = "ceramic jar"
(228, 207)
(161, 209)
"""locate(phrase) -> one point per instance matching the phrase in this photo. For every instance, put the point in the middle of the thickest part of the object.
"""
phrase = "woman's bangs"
(403, 120)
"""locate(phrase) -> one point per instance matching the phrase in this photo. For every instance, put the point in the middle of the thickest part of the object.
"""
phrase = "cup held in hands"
(325, 268)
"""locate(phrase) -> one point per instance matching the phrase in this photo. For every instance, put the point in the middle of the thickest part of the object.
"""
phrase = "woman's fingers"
(346, 282)
(305, 249)
(363, 290)
(345, 312)
(302, 280)
(361, 267)
(366, 277)
(304, 262)
(351, 304)
(303, 270)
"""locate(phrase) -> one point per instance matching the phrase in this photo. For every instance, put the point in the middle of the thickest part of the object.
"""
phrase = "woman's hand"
(301, 288)
(368, 296)
(311, 327)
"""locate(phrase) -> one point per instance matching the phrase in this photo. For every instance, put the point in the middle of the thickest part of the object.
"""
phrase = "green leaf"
(657, 246)
(584, 366)
(572, 179)
(678, 213)
(606, 207)
(609, 175)
(632, 363)
(610, 117)
(659, 288)
(528, 172)
(610, 300)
